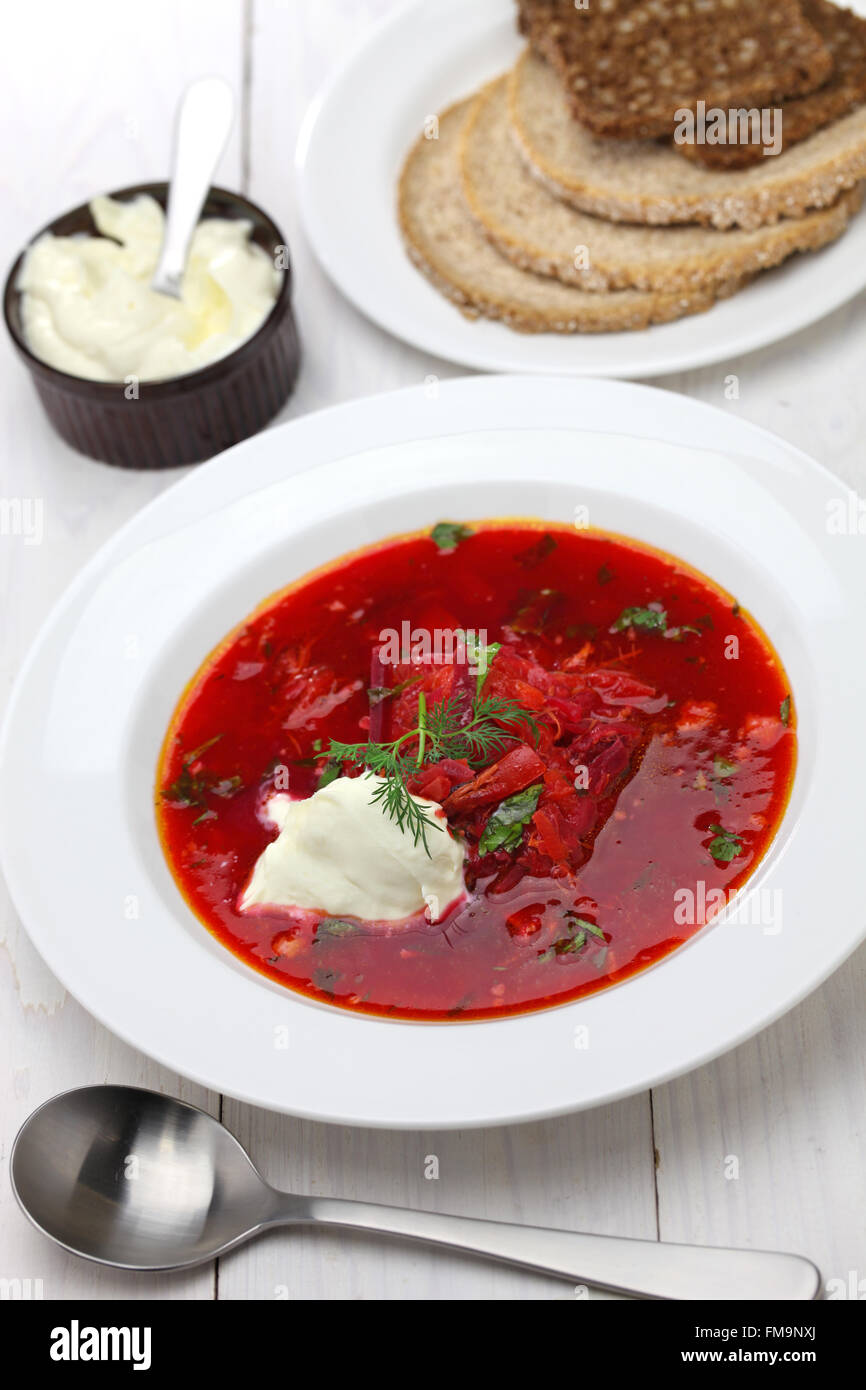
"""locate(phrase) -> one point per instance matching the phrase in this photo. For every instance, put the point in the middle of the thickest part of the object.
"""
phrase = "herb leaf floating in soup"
(653, 618)
(448, 534)
(505, 825)
(335, 926)
(570, 707)
(724, 846)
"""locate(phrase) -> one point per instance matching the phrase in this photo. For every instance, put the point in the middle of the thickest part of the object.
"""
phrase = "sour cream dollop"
(338, 853)
(87, 307)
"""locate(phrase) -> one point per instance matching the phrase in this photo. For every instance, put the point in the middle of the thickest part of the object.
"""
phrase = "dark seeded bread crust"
(647, 181)
(629, 65)
(844, 34)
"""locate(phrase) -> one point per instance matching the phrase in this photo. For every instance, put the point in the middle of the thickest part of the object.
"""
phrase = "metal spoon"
(142, 1181)
(204, 122)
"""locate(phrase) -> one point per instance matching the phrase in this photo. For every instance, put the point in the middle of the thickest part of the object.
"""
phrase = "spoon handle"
(203, 125)
(643, 1267)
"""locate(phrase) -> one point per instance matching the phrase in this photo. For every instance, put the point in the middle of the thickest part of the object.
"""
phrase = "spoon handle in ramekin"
(203, 126)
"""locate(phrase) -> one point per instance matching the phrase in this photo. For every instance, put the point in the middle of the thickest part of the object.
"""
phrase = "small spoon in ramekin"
(204, 122)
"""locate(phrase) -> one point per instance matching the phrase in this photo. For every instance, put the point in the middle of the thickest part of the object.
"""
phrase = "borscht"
(476, 771)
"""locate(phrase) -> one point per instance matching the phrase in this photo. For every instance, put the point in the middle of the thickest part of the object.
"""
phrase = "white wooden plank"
(585, 1172)
(788, 1105)
(294, 45)
(767, 1146)
(91, 93)
(806, 388)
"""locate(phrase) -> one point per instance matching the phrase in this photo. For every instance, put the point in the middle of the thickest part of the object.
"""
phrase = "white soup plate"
(80, 745)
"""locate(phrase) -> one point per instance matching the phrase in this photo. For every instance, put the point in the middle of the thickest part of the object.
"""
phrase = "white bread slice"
(643, 181)
(540, 233)
(444, 243)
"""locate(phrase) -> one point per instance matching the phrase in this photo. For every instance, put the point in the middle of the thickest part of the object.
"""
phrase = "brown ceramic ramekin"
(182, 419)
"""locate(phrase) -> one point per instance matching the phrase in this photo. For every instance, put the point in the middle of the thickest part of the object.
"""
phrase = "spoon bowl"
(135, 1179)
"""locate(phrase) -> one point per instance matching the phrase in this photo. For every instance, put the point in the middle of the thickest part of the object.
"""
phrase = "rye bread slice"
(629, 65)
(646, 181)
(844, 33)
(540, 233)
(444, 243)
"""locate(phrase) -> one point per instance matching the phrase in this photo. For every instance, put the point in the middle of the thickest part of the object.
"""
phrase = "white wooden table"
(766, 1147)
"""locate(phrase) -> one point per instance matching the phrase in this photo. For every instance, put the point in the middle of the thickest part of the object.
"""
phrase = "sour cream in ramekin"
(87, 307)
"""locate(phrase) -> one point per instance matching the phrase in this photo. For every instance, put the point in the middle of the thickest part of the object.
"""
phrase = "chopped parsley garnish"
(534, 615)
(569, 945)
(723, 770)
(448, 534)
(330, 773)
(187, 789)
(460, 1007)
(578, 929)
(325, 980)
(723, 767)
(479, 656)
(534, 554)
(194, 788)
(785, 710)
(202, 748)
(584, 925)
(651, 619)
(506, 824)
(335, 926)
(377, 693)
(725, 845)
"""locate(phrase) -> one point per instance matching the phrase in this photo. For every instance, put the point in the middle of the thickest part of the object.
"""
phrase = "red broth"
(638, 669)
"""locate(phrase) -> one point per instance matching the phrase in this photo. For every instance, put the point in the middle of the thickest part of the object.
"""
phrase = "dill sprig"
(475, 732)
